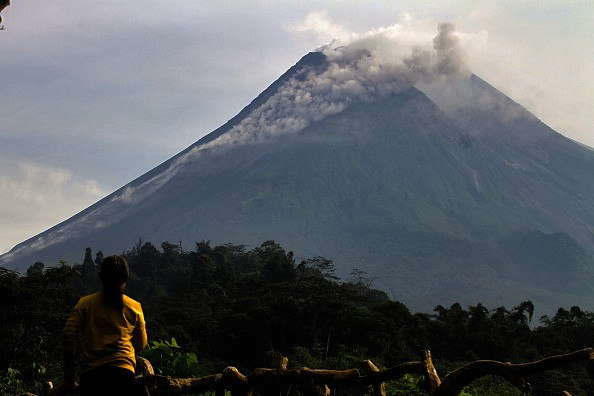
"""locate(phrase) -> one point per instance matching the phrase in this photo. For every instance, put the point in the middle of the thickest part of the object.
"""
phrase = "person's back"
(113, 331)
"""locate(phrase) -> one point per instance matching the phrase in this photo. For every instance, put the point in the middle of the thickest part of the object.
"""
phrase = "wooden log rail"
(318, 382)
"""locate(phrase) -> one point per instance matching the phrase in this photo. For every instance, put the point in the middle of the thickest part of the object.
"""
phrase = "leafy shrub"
(10, 382)
(168, 358)
(407, 385)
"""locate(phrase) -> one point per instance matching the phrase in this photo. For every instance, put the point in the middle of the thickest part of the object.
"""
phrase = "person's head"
(114, 273)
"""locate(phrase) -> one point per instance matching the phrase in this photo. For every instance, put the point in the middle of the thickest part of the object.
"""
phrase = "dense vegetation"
(227, 305)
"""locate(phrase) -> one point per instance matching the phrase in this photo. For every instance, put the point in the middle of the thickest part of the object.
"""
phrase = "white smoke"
(362, 68)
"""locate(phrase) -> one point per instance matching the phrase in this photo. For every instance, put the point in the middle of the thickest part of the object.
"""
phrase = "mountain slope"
(458, 194)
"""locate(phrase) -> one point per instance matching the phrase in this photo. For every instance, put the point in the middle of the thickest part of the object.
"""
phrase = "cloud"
(540, 55)
(35, 197)
(93, 218)
(320, 28)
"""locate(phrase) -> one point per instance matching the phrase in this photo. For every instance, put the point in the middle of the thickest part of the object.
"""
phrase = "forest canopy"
(230, 305)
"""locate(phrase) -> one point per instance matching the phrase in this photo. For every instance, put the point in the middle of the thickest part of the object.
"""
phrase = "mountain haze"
(441, 190)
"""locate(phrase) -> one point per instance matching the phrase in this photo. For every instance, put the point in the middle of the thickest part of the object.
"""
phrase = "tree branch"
(513, 373)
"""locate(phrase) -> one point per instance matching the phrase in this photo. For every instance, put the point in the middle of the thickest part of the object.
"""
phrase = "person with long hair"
(113, 332)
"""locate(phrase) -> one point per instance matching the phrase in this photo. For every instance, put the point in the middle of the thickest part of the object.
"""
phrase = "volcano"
(442, 192)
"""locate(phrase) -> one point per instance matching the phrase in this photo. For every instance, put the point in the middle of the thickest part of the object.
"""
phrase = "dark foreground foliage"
(227, 305)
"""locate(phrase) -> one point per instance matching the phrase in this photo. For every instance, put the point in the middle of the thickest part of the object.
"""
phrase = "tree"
(522, 314)
(144, 260)
(320, 265)
(3, 5)
(269, 262)
(450, 332)
(89, 281)
(33, 310)
(360, 279)
(36, 269)
(88, 261)
(98, 259)
(203, 247)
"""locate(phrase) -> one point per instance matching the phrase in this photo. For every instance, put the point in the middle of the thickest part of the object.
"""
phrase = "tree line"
(227, 305)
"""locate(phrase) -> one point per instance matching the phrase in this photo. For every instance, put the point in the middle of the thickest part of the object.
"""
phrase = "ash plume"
(367, 68)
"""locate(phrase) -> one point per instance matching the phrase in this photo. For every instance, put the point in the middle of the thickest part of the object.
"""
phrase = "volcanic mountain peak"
(447, 195)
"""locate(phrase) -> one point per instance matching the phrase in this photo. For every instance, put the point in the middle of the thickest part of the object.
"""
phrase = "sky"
(94, 96)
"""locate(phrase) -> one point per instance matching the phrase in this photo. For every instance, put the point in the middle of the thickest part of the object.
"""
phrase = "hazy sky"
(93, 94)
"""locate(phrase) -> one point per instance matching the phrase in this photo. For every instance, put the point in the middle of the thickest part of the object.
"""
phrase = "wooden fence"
(319, 382)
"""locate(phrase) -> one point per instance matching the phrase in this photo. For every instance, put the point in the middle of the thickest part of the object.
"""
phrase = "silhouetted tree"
(98, 259)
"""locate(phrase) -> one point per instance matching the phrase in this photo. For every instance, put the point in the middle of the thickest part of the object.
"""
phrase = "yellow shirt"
(109, 336)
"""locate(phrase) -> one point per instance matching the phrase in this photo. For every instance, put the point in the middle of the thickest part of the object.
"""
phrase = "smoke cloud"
(361, 69)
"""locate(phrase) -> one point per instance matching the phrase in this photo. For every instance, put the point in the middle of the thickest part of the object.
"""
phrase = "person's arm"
(69, 334)
(139, 338)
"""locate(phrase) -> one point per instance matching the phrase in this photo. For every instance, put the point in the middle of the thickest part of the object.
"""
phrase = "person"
(113, 332)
